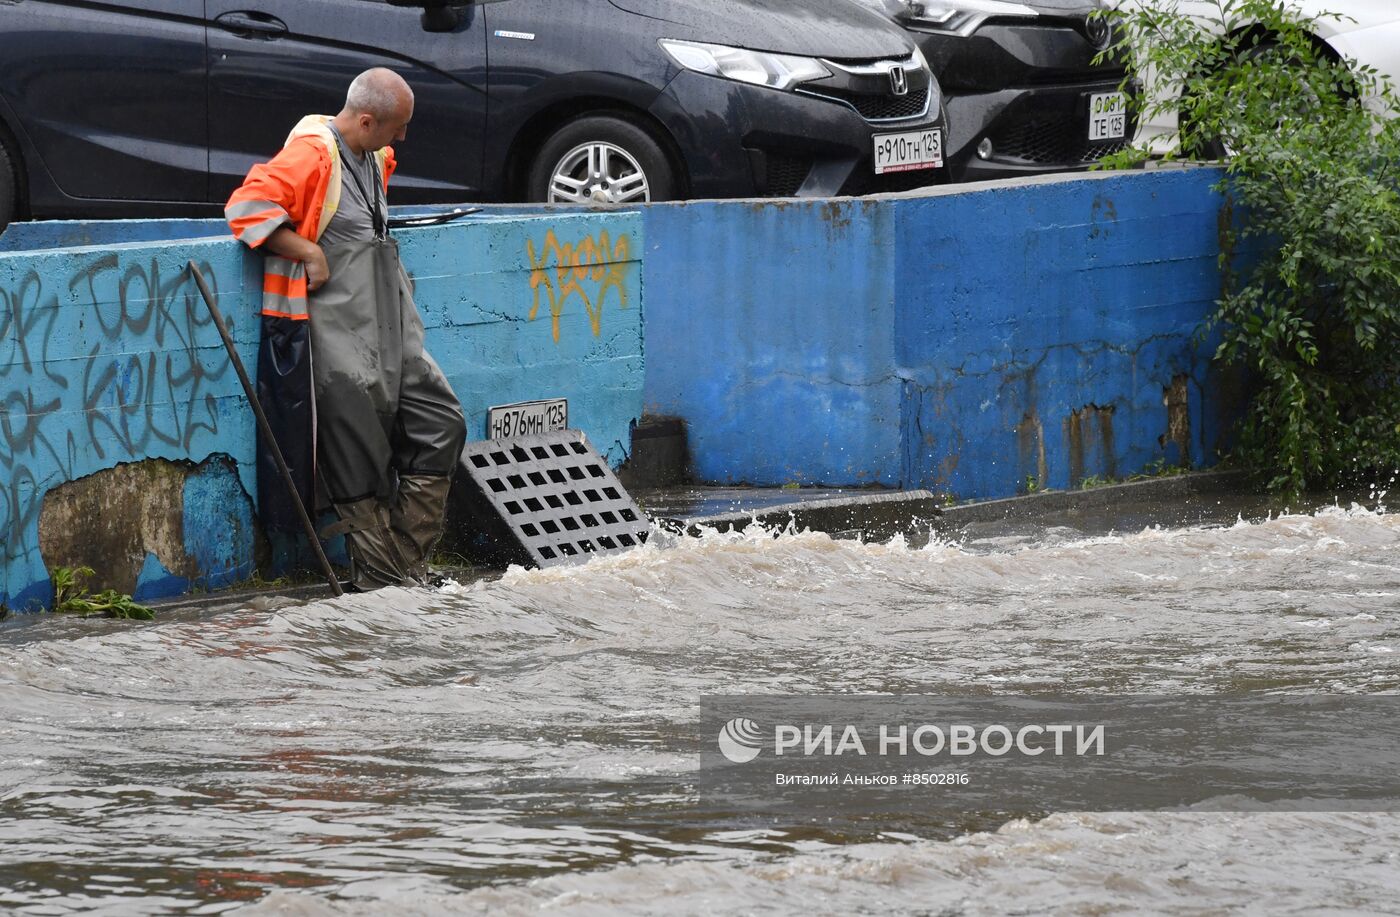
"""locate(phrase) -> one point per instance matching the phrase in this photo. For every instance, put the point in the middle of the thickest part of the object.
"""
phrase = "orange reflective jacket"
(300, 188)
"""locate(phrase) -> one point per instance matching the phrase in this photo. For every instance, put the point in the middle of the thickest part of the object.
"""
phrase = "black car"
(158, 107)
(1023, 92)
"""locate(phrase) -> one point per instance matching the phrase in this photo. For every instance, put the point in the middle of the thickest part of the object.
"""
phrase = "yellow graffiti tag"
(560, 271)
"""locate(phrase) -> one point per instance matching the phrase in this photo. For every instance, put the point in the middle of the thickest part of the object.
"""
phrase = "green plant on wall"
(1310, 306)
(1158, 468)
(71, 596)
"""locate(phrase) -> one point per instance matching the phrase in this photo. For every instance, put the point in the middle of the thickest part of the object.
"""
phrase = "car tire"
(601, 159)
(1214, 148)
(9, 188)
(1204, 150)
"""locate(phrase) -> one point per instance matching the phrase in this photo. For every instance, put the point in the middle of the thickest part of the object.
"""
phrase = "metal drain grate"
(541, 500)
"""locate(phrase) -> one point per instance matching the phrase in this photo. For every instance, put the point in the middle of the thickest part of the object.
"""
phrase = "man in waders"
(357, 405)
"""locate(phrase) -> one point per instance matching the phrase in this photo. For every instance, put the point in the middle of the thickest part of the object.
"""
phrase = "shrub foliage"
(1311, 242)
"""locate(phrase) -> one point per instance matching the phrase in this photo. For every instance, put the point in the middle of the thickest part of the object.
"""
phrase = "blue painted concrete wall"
(979, 341)
(519, 309)
(105, 359)
(49, 234)
(108, 356)
(773, 329)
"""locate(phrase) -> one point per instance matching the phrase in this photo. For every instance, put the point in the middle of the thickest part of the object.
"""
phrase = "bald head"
(377, 92)
(378, 107)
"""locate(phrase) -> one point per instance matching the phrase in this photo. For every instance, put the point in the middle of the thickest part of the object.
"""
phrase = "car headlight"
(778, 71)
(960, 17)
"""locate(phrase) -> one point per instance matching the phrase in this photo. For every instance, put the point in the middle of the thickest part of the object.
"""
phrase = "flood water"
(526, 743)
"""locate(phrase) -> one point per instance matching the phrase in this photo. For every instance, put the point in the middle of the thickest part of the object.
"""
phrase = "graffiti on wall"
(561, 271)
(99, 364)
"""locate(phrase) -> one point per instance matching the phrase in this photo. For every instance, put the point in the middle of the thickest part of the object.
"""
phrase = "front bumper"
(739, 140)
(1031, 131)
(1023, 85)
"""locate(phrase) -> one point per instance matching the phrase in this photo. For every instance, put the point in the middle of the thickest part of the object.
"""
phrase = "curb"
(915, 513)
(1030, 506)
(872, 516)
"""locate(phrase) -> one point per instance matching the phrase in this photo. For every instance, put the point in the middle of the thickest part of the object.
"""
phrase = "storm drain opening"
(541, 500)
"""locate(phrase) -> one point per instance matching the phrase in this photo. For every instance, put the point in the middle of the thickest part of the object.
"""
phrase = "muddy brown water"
(525, 743)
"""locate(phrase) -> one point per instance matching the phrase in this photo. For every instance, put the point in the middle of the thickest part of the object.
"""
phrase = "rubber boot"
(376, 556)
(417, 518)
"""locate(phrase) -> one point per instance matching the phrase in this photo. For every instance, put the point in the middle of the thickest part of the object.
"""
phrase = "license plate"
(527, 418)
(908, 151)
(1108, 116)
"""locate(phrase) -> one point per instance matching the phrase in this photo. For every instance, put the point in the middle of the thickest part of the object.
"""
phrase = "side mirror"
(438, 15)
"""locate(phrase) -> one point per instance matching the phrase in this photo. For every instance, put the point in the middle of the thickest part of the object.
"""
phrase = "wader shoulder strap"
(381, 231)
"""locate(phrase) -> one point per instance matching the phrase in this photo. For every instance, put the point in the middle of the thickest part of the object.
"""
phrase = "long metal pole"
(266, 430)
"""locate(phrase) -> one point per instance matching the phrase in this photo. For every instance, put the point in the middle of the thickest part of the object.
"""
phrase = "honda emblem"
(899, 82)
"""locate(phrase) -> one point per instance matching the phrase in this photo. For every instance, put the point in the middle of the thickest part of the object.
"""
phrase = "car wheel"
(1215, 148)
(9, 188)
(1201, 149)
(601, 159)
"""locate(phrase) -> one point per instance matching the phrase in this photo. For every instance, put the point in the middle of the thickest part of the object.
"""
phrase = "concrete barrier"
(51, 234)
(980, 341)
(125, 440)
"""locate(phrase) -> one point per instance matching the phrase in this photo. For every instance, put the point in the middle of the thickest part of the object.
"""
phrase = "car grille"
(1058, 142)
(786, 174)
(864, 181)
(880, 107)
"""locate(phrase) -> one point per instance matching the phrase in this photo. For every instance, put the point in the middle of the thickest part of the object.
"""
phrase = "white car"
(1368, 32)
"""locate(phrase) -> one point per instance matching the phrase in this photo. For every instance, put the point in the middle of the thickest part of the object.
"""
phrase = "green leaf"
(1309, 259)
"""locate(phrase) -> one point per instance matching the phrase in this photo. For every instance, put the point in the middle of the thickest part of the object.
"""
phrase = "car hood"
(813, 28)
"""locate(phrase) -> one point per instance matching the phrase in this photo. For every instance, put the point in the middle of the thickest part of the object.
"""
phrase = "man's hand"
(317, 270)
(285, 242)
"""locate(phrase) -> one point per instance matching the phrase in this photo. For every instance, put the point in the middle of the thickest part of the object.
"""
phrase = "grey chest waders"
(389, 429)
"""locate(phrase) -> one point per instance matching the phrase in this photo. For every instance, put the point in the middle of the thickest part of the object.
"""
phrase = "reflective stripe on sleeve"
(257, 233)
(251, 208)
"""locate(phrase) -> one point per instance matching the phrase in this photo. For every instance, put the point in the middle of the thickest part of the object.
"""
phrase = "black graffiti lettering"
(22, 311)
(141, 382)
(17, 441)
